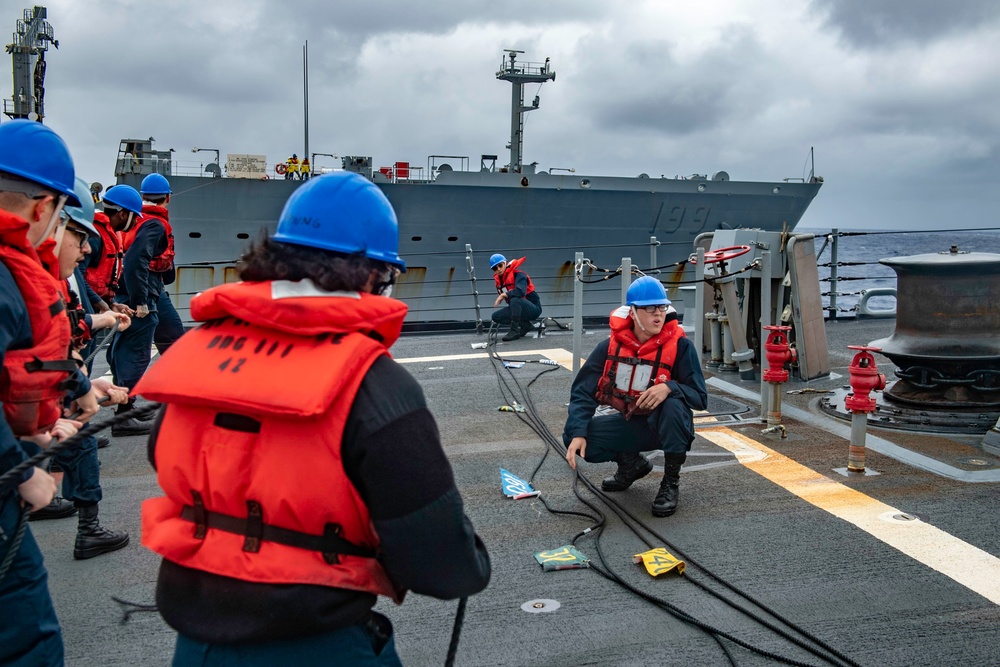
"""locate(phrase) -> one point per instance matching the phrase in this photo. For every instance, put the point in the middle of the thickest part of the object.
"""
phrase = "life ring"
(281, 168)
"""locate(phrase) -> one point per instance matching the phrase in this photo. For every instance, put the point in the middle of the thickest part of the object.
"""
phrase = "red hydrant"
(778, 353)
(865, 378)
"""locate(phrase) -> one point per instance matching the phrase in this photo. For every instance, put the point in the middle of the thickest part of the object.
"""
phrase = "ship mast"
(31, 41)
(519, 74)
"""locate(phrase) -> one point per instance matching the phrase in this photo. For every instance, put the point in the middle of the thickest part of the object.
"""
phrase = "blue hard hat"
(124, 196)
(496, 259)
(646, 291)
(155, 184)
(344, 212)
(83, 214)
(33, 151)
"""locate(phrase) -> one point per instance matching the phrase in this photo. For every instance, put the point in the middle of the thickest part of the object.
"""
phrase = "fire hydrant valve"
(778, 353)
(865, 378)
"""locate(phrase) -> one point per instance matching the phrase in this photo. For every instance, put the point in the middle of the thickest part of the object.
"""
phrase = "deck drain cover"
(899, 517)
(540, 606)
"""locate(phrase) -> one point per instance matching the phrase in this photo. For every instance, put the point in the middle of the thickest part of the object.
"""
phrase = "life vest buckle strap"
(254, 527)
(200, 516)
(331, 544)
(60, 365)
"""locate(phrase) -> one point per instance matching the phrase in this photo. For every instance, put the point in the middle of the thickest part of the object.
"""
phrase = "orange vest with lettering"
(250, 449)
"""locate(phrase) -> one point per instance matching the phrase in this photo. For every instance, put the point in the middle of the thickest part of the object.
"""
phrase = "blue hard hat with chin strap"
(646, 291)
(124, 196)
(36, 153)
(155, 184)
(496, 259)
(343, 212)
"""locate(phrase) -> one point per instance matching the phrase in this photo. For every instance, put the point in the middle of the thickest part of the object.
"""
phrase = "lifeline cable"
(530, 417)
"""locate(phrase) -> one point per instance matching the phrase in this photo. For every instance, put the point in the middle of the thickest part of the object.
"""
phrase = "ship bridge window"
(194, 235)
(452, 238)
(243, 235)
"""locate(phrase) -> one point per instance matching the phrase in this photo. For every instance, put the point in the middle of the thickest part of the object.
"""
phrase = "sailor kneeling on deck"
(515, 287)
(303, 474)
(649, 372)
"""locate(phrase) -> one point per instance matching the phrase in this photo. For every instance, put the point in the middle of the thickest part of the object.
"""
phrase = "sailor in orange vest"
(36, 180)
(649, 372)
(303, 474)
(122, 207)
(515, 287)
(148, 265)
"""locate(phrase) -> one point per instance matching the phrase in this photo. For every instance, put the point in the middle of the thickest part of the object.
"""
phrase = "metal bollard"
(778, 353)
(865, 378)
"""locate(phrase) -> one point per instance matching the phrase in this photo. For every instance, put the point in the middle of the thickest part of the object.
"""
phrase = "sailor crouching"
(649, 373)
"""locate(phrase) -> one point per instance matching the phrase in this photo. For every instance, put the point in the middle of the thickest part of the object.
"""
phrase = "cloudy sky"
(899, 98)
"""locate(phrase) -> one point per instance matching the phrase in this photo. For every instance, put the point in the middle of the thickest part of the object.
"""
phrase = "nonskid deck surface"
(899, 568)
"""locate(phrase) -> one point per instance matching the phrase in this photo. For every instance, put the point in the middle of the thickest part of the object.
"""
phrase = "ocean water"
(862, 250)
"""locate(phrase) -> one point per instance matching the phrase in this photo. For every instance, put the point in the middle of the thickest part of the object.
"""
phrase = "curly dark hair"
(267, 259)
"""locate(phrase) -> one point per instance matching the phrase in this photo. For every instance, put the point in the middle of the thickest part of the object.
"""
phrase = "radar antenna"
(519, 74)
(31, 41)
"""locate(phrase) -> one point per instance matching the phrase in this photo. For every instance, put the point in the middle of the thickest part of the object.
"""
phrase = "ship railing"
(867, 288)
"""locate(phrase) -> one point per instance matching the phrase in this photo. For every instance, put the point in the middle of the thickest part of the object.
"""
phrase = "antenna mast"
(31, 41)
(519, 74)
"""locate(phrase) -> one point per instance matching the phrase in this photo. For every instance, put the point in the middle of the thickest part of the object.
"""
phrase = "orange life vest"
(165, 260)
(33, 380)
(505, 283)
(104, 277)
(239, 449)
(632, 367)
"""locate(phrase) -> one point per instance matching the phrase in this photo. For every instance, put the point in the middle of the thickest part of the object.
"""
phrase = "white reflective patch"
(287, 289)
(640, 379)
(623, 376)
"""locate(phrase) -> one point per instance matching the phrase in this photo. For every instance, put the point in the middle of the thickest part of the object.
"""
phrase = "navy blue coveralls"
(130, 352)
(80, 464)
(670, 427)
(521, 306)
(29, 629)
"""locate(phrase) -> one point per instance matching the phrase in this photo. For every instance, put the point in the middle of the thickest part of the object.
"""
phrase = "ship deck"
(898, 568)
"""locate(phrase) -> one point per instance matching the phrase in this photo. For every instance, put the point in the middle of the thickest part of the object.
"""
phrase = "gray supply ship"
(448, 208)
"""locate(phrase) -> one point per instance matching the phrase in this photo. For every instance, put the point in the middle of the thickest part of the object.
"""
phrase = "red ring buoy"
(723, 254)
(280, 168)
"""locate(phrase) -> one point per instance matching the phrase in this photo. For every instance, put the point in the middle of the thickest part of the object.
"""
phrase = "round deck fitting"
(892, 415)
(540, 606)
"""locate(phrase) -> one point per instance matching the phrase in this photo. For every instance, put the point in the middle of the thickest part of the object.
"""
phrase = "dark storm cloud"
(677, 98)
(887, 23)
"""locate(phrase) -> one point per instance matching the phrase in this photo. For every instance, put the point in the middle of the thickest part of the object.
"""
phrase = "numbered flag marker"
(563, 558)
(515, 487)
(659, 561)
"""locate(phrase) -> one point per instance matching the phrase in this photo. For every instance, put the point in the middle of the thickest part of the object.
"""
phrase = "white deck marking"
(970, 566)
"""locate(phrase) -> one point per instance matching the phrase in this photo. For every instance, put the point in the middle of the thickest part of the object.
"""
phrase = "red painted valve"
(865, 378)
(778, 353)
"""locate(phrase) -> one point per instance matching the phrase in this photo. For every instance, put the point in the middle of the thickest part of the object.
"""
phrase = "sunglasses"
(662, 308)
(499, 267)
(81, 234)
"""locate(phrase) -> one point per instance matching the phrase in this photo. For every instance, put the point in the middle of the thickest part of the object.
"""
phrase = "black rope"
(455, 632)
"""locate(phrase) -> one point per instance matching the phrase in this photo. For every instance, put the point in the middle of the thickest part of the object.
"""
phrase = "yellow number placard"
(659, 561)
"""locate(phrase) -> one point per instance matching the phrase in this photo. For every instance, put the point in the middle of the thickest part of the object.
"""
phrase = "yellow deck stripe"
(970, 566)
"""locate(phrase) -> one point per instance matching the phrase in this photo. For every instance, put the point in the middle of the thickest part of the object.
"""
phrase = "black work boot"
(630, 468)
(666, 499)
(131, 426)
(59, 508)
(103, 441)
(514, 333)
(93, 539)
(526, 328)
